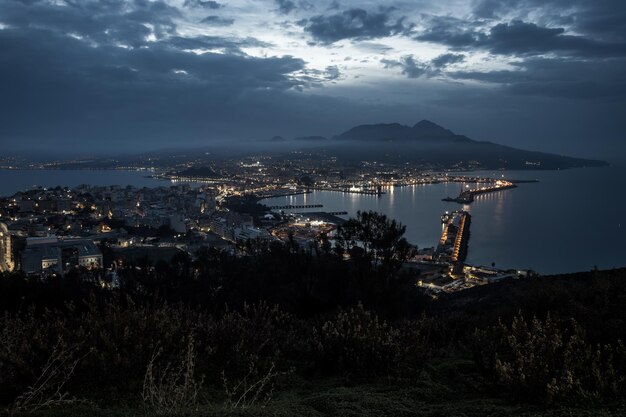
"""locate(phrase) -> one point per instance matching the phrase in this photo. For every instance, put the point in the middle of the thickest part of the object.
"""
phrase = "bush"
(357, 341)
(172, 389)
(550, 361)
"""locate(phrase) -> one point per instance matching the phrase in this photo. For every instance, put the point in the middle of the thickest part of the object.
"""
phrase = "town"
(99, 229)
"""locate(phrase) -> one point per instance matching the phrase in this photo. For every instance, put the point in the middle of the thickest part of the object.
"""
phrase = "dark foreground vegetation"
(293, 331)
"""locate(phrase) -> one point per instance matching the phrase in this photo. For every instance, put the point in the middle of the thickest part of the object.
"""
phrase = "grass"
(447, 388)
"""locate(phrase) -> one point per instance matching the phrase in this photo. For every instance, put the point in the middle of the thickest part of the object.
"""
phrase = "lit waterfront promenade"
(467, 196)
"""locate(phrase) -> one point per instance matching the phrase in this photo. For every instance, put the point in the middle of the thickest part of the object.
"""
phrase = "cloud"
(218, 21)
(414, 68)
(374, 47)
(353, 24)
(111, 22)
(285, 6)
(451, 31)
(445, 60)
(556, 77)
(410, 67)
(202, 4)
(603, 20)
(145, 73)
(516, 38)
(122, 73)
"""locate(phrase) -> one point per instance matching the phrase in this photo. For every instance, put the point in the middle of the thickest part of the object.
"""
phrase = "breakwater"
(467, 196)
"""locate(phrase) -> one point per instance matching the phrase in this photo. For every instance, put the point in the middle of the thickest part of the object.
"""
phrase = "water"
(570, 221)
(12, 181)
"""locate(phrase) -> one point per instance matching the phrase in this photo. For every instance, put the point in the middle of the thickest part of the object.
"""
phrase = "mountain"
(426, 128)
(397, 132)
(310, 138)
(429, 143)
(276, 139)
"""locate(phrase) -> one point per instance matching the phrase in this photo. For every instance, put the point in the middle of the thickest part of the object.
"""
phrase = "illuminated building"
(6, 253)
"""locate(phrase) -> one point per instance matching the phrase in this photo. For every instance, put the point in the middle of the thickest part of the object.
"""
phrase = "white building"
(58, 255)
(6, 253)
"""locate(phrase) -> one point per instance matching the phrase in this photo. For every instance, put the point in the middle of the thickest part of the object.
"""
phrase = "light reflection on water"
(569, 221)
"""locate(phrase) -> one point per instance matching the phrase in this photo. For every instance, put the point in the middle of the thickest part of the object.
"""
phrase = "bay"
(12, 181)
(571, 220)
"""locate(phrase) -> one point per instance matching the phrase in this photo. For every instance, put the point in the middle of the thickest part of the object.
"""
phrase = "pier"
(454, 238)
(282, 194)
(293, 207)
(467, 196)
(367, 191)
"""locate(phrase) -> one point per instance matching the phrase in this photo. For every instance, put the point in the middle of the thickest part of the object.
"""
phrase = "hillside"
(347, 361)
(429, 143)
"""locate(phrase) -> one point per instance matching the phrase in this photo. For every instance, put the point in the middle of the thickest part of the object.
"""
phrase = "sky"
(112, 75)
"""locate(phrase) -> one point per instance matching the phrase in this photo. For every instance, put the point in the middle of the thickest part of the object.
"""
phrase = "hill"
(429, 143)
(397, 132)
(347, 362)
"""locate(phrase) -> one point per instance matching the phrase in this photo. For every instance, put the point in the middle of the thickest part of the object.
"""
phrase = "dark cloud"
(103, 73)
(561, 54)
(102, 22)
(377, 48)
(63, 89)
(414, 68)
(317, 78)
(203, 4)
(410, 67)
(450, 31)
(444, 60)
(334, 5)
(113, 74)
(353, 24)
(285, 6)
(231, 46)
(218, 21)
(563, 78)
(517, 38)
(600, 19)
(497, 77)
(520, 38)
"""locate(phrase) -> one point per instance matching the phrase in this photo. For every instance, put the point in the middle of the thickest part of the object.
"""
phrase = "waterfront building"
(51, 254)
(6, 249)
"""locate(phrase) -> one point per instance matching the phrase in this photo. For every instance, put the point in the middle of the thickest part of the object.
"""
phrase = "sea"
(568, 221)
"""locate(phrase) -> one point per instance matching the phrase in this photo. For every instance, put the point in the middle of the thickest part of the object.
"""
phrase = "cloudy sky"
(111, 75)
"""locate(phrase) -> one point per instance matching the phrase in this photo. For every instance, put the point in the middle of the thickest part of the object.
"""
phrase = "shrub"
(355, 340)
(48, 390)
(172, 389)
(550, 361)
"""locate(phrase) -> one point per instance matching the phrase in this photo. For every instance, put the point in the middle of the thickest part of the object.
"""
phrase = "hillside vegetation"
(287, 330)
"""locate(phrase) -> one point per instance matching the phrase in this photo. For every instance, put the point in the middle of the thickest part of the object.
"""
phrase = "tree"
(379, 238)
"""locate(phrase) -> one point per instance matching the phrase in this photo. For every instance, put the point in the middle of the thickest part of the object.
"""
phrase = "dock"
(282, 194)
(454, 239)
(467, 196)
(294, 207)
(377, 191)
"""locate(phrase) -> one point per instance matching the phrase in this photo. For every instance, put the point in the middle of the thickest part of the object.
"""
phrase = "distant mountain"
(276, 139)
(423, 130)
(310, 138)
(429, 143)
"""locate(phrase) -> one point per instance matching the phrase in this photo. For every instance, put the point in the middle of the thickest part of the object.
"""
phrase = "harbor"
(454, 239)
(353, 190)
(467, 196)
